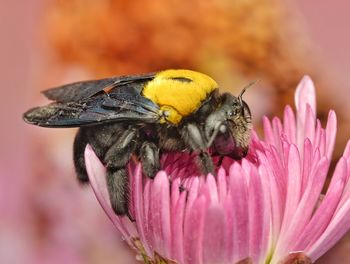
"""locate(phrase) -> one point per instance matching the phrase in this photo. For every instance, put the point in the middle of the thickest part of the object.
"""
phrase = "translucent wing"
(77, 91)
(83, 103)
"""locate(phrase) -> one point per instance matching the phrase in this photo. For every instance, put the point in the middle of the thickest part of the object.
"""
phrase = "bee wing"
(99, 109)
(77, 91)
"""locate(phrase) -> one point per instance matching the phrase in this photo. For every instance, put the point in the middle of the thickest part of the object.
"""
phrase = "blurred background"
(45, 216)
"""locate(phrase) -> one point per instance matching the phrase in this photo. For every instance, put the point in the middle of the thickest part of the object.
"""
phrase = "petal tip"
(88, 149)
(332, 114)
(305, 93)
(306, 83)
(306, 78)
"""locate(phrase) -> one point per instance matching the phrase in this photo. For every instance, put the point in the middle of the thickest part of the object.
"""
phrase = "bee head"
(228, 128)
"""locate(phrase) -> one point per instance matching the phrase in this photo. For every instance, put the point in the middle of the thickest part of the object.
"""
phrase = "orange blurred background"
(46, 217)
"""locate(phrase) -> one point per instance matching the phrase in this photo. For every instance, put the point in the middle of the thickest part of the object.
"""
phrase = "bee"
(147, 115)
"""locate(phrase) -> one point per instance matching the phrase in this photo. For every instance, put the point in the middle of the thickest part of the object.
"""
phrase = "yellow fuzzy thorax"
(178, 93)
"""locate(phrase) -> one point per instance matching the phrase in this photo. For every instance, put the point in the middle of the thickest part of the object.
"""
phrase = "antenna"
(244, 89)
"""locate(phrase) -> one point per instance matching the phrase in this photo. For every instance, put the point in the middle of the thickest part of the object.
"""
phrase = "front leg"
(149, 156)
(116, 160)
(194, 137)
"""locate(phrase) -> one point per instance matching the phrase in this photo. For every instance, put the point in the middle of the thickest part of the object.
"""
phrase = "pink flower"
(267, 208)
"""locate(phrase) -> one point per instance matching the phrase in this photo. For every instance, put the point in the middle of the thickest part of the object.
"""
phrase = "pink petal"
(267, 220)
(193, 235)
(175, 192)
(97, 177)
(177, 229)
(214, 235)
(292, 198)
(310, 123)
(321, 218)
(274, 168)
(268, 132)
(347, 150)
(293, 184)
(246, 166)
(322, 145)
(139, 213)
(277, 163)
(148, 227)
(240, 205)
(307, 204)
(274, 199)
(259, 221)
(315, 158)
(228, 207)
(305, 94)
(256, 143)
(317, 138)
(191, 196)
(212, 189)
(307, 155)
(331, 132)
(277, 131)
(222, 185)
(289, 124)
(337, 228)
(342, 173)
(160, 213)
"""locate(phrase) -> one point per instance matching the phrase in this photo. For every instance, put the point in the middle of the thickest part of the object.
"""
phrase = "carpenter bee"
(146, 115)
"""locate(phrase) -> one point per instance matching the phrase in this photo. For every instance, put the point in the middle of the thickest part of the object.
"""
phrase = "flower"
(267, 208)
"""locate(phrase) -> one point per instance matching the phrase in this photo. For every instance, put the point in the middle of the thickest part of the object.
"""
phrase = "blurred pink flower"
(267, 208)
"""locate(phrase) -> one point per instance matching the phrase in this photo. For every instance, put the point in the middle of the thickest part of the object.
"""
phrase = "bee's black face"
(228, 128)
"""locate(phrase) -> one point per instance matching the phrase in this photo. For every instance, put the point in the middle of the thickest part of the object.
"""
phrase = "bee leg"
(116, 159)
(195, 138)
(206, 163)
(93, 135)
(80, 142)
(149, 156)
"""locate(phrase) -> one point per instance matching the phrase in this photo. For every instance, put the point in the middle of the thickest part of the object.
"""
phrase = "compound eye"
(233, 112)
